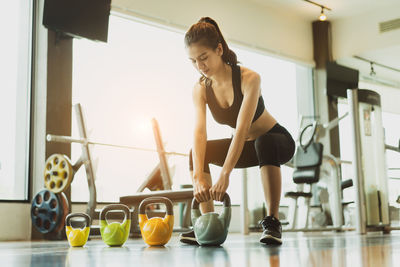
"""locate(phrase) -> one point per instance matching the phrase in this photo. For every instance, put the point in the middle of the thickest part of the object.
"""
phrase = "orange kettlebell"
(156, 231)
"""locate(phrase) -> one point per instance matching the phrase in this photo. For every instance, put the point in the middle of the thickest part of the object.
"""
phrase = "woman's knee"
(274, 149)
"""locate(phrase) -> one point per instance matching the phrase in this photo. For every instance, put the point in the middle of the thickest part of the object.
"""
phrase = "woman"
(233, 95)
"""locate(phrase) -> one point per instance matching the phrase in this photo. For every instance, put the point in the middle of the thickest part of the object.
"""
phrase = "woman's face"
(206, 60)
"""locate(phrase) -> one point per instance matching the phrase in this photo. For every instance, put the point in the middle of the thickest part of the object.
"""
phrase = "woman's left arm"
(251, 93)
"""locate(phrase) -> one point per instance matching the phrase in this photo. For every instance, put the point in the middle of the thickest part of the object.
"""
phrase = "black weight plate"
(46, 211)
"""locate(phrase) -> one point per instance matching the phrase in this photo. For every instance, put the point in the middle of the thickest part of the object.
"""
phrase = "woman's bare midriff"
(262, 125)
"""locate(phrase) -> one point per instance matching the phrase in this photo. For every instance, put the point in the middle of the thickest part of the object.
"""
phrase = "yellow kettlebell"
(77, 237)
(156, 231)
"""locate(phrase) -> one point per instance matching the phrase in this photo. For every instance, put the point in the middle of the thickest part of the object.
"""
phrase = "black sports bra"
(229, 115)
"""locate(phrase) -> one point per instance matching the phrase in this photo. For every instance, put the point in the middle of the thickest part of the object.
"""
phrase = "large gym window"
(15, 67)
(141, 73)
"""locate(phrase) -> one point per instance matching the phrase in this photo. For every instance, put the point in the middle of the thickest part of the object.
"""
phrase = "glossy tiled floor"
(299, 249)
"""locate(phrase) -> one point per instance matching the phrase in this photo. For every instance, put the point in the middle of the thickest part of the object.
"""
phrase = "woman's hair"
(206, 32)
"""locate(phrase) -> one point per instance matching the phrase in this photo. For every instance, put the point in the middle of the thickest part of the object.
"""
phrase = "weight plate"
(65, 210)
(58, 173)
(46, 211)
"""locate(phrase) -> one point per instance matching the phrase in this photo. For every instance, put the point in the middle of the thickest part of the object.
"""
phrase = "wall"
(17, 224)
(360, 33)
(271, 30)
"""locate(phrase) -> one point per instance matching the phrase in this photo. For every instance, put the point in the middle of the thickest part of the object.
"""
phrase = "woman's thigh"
(217, 151)
(274, 148)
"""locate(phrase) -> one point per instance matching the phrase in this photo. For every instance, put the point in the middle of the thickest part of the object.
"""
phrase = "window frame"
(30, 63)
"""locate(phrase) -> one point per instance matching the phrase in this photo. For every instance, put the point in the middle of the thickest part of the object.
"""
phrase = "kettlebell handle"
(155, 200)
(226, 200)
(121, 207)
(77, 214)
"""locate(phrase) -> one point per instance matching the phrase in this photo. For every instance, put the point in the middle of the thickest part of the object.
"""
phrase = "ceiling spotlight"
(322, 16)
(372, 73)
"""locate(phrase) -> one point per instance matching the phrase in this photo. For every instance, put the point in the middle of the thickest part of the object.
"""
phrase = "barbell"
(69, 139)
(59, 171)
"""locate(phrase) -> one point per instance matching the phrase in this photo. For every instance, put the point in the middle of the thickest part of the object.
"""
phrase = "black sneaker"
(272, 234)
(188, 238)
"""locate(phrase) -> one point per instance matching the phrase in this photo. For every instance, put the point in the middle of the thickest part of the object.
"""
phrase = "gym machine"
(369, 161)
(369, 165)
(322, 175)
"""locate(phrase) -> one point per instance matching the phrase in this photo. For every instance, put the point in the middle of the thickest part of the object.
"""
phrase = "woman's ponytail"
(206, 30)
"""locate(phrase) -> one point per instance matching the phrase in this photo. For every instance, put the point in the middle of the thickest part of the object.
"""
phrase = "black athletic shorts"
(275, 147)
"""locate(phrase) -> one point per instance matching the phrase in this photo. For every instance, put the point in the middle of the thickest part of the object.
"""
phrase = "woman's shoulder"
(199, 89)
(249, 76)
(199, 86)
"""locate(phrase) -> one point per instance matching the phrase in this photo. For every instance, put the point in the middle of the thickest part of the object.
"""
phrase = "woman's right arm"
(201, 186)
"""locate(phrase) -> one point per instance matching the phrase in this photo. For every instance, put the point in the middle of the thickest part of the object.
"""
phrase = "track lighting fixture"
(372, 72)
(322, 16)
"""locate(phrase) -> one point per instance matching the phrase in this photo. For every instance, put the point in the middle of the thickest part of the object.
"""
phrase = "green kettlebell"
(211, 228)
(115, 233)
